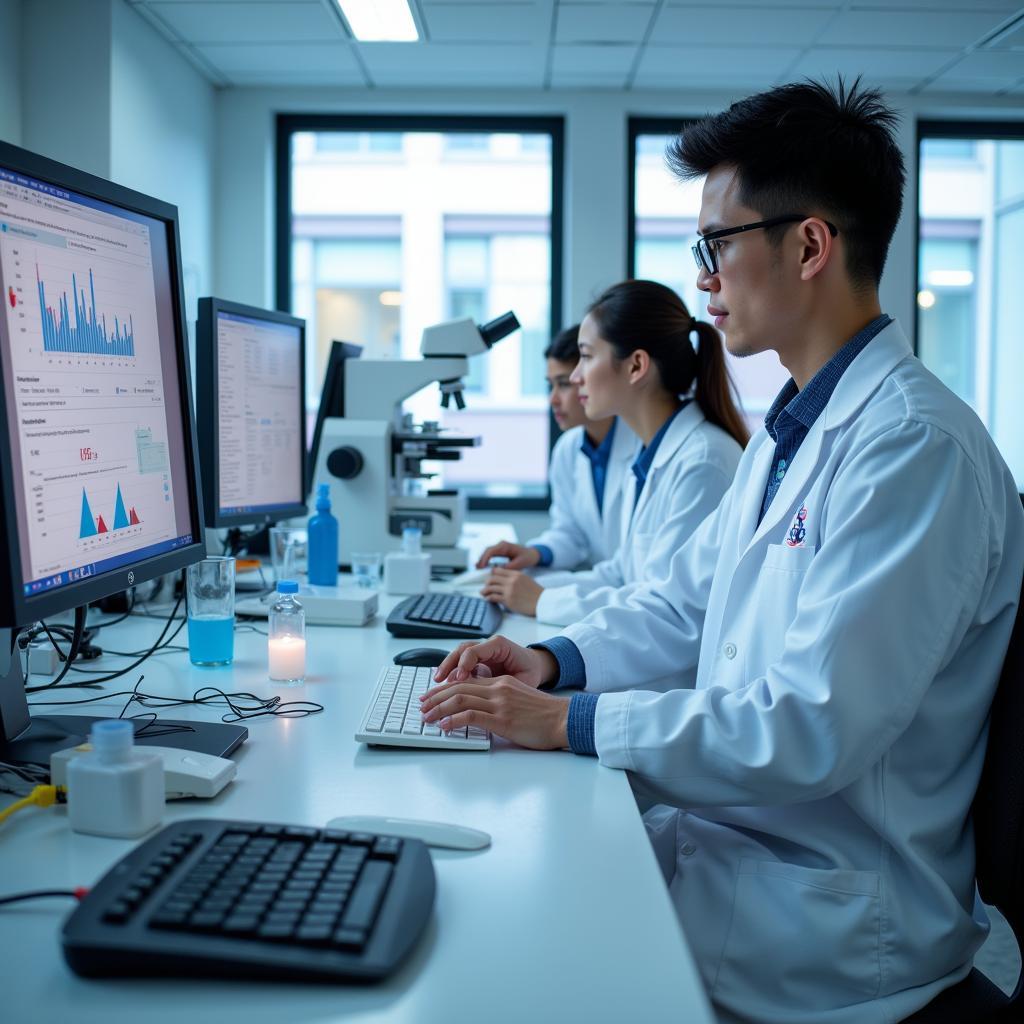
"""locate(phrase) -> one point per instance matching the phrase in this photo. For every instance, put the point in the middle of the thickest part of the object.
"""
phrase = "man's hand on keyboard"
(495, 657)
(506, 706)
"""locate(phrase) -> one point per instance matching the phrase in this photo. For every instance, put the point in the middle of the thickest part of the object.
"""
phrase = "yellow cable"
(41, 796)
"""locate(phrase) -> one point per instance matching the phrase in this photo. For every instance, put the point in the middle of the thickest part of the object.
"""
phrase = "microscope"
(370, 452)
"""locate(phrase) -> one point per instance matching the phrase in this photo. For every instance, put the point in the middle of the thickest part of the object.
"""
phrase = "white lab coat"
(580, 533)
(823, 869)
(692, 469)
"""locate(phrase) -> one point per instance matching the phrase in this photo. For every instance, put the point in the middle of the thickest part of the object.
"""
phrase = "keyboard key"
(367, 895)
(353, 938)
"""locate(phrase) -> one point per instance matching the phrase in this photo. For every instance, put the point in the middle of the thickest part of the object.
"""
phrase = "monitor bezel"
(208, 413)
(17, 609)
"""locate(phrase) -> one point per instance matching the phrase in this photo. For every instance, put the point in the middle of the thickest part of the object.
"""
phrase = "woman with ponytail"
(645, 359)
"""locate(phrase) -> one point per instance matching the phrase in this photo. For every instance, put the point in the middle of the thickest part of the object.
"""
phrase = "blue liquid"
(211, 641)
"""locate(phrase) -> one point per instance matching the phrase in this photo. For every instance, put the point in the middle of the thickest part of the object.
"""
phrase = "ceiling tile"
(681, 26)
(611, 60)
(989, 64)
(970, 6)
(443, 64)
(980, 86)
(800, 5)
(920, 28)
(490, 22)
(284, 57)
(741, 84)
(715, 60)
(871, 62)
(603, 23)
(221, 21)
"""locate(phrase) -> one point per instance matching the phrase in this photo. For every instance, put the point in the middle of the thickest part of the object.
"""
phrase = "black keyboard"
(247, 899)
(426, 615)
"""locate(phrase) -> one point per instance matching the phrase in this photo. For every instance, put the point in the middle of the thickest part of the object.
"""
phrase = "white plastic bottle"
(407, 571)
(117, 789)
(286, 646)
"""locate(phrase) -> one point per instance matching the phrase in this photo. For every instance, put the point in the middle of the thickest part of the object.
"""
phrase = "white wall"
(595, 184)
(65, 82)
(10, 71)
(162, 137)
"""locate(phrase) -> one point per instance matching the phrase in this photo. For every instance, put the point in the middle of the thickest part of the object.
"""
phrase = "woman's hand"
(515, 590)
(519, 555)
(504, 705)
(495, 657)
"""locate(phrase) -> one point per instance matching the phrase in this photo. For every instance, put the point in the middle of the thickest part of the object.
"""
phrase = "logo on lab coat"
(797, 529)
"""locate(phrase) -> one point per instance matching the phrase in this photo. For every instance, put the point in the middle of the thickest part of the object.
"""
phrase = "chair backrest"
(998, 809)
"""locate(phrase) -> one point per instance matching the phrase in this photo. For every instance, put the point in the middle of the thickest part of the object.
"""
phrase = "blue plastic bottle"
(323, 541)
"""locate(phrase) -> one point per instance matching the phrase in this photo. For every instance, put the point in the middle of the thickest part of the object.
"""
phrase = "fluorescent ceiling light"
(379, 21)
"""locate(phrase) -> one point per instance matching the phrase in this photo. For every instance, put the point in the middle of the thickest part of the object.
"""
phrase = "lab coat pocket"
(806, 937)
(778, 587)
(787, 559)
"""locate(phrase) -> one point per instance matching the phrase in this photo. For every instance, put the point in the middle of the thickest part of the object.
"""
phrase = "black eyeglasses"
(705, 252)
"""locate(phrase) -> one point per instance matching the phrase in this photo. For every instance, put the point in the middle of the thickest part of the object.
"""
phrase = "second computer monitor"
(250, 413)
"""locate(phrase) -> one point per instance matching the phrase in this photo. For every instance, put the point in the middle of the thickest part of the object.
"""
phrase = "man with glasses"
(848, 608)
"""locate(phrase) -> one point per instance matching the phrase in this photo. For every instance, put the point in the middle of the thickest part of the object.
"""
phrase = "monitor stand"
(32, 739)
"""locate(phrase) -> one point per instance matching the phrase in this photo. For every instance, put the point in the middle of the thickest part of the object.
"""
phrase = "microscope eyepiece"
(498, 328)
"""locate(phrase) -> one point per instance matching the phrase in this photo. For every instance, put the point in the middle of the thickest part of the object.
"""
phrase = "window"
(970, 262)
(662, 227)
(391, 224)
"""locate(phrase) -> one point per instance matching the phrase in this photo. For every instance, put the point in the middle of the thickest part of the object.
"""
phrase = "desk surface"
(565, 915)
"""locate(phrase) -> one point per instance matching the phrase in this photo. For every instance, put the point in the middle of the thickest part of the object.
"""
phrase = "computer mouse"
(421, 657)
(433, 833)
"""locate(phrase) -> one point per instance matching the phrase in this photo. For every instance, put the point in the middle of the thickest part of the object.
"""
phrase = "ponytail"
(714, 392)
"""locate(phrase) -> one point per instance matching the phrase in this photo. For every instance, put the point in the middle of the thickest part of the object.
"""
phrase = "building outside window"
(970, 303)
(399, 224)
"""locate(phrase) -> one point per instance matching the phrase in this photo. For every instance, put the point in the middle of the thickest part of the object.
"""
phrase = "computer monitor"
(251, 413)
(99, 487)
(332, 395)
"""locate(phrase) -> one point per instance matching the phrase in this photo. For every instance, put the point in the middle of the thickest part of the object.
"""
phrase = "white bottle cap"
(411, 538)
(113, 740)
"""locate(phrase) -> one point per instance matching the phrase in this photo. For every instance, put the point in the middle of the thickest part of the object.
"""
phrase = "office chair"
(998, 813)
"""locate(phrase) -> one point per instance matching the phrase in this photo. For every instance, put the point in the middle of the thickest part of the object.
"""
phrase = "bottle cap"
(112, 739)
(411, 538)
(323, 496)
(287, 587)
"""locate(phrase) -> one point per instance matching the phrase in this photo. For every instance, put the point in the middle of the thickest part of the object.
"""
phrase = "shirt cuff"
(582, 736)
(572, 672)
(547, 556)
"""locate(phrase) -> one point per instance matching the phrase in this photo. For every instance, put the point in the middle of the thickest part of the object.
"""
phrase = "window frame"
(936, 128)
(635, 127)
(288, 125)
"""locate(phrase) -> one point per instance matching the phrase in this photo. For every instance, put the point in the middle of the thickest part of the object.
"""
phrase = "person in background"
(589, 465)
(639, 364)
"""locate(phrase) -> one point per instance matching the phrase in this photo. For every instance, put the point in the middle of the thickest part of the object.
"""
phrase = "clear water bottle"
(286, 644)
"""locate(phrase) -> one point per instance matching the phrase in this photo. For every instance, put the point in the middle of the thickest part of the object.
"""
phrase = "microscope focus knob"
(345, 462)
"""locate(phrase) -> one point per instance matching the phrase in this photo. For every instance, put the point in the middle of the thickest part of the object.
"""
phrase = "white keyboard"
(393, 717)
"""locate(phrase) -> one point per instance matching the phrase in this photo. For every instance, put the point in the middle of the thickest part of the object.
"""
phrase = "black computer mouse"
(421, 657)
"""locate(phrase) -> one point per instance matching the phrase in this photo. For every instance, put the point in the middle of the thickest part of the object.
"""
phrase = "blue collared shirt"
(790, 418)
(644, 461)
(794, 411)
(598, 456)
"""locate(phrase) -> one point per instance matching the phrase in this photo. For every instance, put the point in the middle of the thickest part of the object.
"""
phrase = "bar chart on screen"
(72, 309)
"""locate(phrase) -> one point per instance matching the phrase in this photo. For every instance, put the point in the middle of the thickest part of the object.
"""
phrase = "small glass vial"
(117, 789)
(286, 645)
